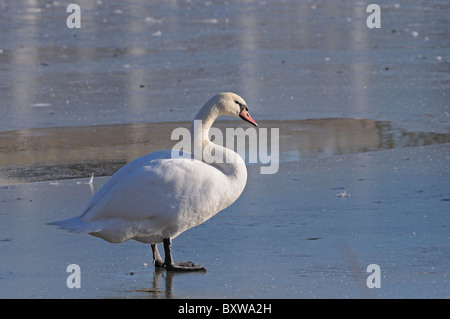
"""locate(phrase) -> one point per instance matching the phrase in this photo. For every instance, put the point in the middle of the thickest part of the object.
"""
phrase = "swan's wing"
(123, 173)
(160, 188)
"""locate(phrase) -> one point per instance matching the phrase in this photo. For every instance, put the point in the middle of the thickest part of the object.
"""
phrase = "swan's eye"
(241, 106)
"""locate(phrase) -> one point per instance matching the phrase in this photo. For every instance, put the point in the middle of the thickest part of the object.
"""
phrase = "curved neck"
(201, 124)
(226, 160)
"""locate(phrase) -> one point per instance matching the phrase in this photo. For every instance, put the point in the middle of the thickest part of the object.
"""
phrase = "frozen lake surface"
(158, 61)
(290, 235)
(363, 116)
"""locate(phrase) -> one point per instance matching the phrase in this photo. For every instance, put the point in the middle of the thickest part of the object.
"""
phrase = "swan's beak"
(246, 116)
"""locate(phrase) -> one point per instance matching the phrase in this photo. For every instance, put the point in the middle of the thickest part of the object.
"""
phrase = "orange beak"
(246, 116)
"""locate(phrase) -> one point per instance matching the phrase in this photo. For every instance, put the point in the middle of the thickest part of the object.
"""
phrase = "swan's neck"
(201, 124)
(224, 159)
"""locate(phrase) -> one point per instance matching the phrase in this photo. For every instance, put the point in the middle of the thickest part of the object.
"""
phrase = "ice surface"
(361, 112)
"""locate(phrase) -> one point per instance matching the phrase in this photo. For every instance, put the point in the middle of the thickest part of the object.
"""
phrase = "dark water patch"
(74, 152)
(42, 172)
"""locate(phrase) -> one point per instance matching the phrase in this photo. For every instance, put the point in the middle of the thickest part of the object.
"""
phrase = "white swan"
(156, 197)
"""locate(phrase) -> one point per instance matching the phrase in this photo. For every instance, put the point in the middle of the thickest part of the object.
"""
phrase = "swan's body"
(156, 197)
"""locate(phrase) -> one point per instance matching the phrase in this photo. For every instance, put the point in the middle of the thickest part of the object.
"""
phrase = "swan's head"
(229, 103)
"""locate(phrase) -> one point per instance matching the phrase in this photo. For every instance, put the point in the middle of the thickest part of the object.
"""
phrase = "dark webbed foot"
(188, 266)
(173, 266)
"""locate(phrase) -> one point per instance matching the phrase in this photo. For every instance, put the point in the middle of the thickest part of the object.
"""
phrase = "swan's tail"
(76, 225)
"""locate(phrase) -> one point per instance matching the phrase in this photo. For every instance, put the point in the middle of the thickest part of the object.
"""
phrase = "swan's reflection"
(155, 289)
(163, 290)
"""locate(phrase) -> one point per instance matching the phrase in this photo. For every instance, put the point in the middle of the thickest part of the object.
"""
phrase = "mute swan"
(155, 198)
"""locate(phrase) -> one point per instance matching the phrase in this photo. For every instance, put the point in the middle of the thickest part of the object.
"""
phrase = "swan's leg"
(157, 260)
(171, 265)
